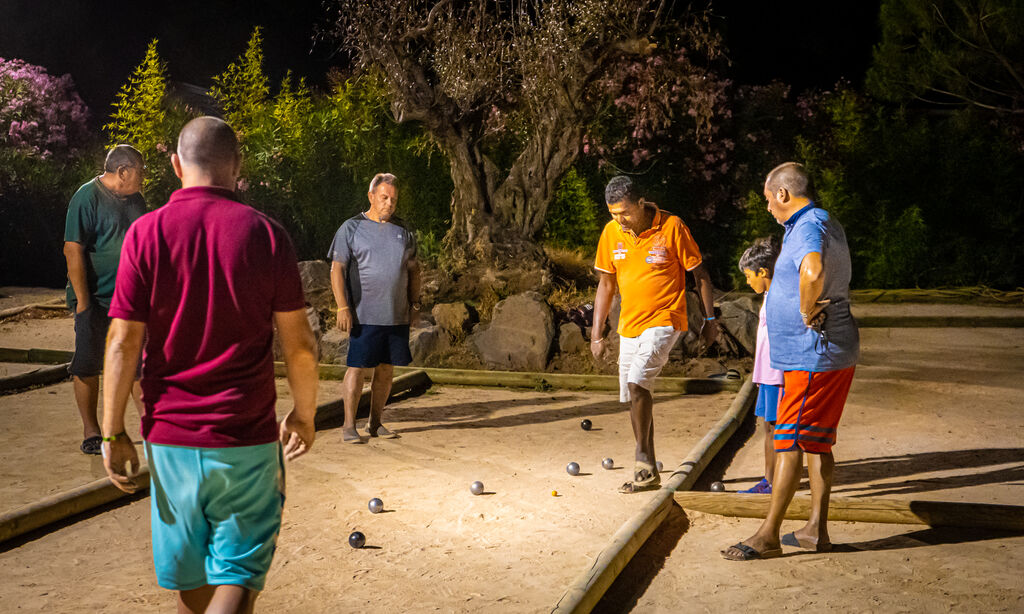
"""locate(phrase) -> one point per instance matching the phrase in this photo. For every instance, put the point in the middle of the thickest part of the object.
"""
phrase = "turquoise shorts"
(215, 514)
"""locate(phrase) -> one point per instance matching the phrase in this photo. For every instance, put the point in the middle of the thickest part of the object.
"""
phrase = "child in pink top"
(758, 264)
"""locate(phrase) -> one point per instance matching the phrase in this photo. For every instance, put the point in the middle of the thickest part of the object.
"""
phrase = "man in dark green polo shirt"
(99, 215)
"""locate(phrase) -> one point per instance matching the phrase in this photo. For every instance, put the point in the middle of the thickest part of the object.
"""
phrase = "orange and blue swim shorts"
(809, 411)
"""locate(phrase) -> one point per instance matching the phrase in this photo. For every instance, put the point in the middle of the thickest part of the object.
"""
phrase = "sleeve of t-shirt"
(808, 238)
(288, 294)
(341, 250)
(687, 250)
(81, 219)
(131, 289)
(411, 245)
(604, 260)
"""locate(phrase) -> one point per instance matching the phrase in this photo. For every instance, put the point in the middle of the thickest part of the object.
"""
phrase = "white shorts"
(641, 358)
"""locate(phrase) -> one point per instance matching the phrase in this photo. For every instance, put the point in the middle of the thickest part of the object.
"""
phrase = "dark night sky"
(805, 44)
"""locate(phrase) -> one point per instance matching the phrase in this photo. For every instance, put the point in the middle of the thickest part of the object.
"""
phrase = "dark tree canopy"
(952, 52)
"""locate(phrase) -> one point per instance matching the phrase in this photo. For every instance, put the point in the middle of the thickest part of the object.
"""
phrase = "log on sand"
(864, 509)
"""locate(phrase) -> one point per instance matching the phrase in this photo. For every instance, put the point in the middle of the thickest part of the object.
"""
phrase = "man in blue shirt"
(814, 340)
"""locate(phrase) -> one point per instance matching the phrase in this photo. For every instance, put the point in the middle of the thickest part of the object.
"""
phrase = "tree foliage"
(308, 156)
(504, 89)
(145, 117)
(952, 52)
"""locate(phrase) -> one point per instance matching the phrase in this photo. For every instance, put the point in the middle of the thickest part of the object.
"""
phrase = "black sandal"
(92, 445)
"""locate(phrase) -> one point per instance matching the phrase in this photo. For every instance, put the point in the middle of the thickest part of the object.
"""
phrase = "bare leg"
(352, 389)
(87, 394)
(380, 390)
(815, 533)
(769, 450)
(641, 415)
(222, 599)
(787, 478)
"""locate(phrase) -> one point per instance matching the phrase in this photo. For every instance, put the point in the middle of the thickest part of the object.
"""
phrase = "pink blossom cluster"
(40, 115)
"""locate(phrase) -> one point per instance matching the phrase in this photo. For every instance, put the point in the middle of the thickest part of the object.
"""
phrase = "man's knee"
(638, 390)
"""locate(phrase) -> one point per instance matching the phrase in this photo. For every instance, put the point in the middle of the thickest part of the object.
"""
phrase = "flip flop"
(92, 445)
(749, 554)
(380, 431)
(630, 488)
(790, 539)
(645, 477)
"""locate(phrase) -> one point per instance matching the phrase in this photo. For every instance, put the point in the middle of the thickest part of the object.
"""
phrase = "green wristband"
(115, 436)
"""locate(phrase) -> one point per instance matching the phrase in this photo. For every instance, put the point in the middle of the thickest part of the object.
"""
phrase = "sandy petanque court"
(933, 414)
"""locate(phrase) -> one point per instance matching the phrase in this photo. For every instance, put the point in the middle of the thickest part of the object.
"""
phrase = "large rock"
(739, 319)
(570, 339)
(334, 346)
(316, 283)
(425, 342)
(314, 323)
(519, 335)
(456, 319)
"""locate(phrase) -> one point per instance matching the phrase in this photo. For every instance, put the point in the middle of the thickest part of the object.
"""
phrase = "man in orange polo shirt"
(645, 252)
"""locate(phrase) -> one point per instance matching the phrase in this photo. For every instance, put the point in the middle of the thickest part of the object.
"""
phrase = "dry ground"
(933, 414)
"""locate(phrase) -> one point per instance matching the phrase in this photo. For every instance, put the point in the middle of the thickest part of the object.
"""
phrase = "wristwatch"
(417, 306)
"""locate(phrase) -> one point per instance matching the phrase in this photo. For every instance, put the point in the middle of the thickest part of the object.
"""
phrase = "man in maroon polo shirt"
(208, 277)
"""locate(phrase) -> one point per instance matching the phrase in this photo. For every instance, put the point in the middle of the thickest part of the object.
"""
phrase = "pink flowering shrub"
(41, 116)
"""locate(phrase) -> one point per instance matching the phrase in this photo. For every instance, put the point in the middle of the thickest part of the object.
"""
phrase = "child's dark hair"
(760, 255)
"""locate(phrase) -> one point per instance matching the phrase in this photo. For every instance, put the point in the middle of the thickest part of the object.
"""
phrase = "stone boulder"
(570, 339)
(316, 283)
(739, 319)
(518, 336)
(427, 341)
(334, 347)
(314, 323)
(456, 319)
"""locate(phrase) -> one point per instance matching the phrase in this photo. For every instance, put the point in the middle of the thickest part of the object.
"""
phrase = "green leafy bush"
(573, 220)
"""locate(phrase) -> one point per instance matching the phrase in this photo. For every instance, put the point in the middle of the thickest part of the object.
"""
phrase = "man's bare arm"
(299, 347)
(602, 305)
(706, 291)
(338, 288)
(74, 253)
(121, 360)
(812, 283)
(415, 287)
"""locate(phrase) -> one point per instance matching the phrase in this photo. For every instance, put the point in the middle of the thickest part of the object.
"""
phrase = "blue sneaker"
(761, 488)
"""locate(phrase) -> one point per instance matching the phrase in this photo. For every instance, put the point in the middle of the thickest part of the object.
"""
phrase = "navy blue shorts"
(767, 402)
(370, 345)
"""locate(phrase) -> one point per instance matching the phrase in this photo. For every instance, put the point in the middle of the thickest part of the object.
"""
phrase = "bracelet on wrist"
(709, 319)
(116, 436)
(345, 308)
(597, 340)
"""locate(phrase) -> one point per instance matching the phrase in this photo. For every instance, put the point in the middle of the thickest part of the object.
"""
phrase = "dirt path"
(933, 414)
(438, 548)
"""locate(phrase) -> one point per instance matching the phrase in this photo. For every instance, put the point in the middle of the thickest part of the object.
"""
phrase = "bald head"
(210, 145)
(792, 176)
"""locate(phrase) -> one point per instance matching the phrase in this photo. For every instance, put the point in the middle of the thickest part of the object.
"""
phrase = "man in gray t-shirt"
(376, 281)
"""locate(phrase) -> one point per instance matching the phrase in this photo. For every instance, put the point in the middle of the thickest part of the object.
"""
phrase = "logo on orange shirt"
(658, 253)
(619, 253)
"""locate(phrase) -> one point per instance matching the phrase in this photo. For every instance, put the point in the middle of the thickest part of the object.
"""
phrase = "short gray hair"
(122, 155)
(620, 188)
(380, 178)
(794, 177)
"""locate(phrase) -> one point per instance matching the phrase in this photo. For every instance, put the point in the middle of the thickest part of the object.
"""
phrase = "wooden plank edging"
(43, 375)
(864, 509)
(562, 381)
(588, 588)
